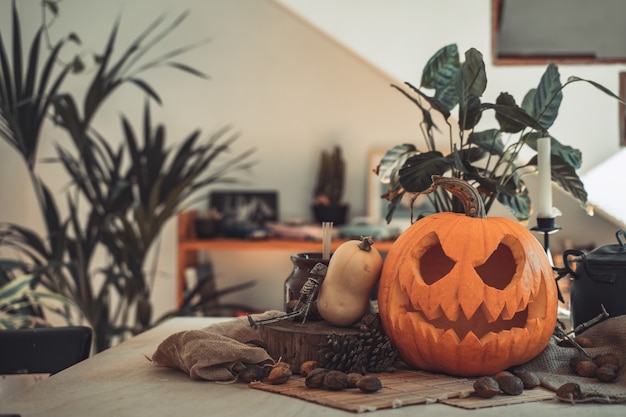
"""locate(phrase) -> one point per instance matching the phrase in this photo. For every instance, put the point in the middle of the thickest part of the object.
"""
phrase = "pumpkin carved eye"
(435, 264)
(499, 269)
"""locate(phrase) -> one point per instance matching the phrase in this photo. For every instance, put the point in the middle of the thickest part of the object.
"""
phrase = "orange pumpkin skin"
(467, 296)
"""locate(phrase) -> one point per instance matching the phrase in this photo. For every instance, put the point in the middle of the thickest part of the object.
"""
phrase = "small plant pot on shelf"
(335, 214)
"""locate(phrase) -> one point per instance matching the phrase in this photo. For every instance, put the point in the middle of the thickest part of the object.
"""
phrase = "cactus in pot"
(327, 203)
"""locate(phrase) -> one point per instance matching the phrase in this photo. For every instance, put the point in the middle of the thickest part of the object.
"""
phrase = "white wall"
(292, 91)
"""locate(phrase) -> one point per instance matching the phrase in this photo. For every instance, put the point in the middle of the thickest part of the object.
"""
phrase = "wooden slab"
(294, 342)
(402, 389)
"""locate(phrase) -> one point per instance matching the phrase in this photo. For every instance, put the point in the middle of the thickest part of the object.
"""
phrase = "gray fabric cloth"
(552, 365)
(214, 353)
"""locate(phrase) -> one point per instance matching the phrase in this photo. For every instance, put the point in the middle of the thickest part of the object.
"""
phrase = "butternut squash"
(345, 292)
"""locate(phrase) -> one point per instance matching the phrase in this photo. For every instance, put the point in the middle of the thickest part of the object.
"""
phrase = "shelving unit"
(189, 246)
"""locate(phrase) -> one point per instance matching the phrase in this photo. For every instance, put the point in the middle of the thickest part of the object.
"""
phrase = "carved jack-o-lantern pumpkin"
(465, 294)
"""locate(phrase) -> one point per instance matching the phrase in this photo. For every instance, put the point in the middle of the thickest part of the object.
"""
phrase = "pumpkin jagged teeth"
(510, 308)
(492, 310)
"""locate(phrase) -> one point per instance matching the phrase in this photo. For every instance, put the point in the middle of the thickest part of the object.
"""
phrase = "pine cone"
(368, 351)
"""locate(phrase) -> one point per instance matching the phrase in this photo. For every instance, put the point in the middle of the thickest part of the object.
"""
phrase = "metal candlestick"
(547, 226)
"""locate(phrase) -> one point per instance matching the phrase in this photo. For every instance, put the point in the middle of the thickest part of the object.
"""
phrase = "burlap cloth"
(217, 352)
(552, 365)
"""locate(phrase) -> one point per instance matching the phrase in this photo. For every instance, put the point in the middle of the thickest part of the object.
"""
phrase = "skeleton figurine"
(308, 294)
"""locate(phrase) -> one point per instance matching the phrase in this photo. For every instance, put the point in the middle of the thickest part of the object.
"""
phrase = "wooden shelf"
(189, 246)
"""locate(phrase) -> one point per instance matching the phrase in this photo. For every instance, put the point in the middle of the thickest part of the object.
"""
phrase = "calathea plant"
(489, 159)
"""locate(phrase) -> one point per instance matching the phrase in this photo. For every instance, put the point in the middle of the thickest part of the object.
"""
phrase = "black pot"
(598, 280)
(335, 214)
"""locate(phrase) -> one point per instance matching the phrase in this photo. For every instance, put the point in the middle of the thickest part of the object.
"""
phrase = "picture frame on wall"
(245, 207)
(377, 207)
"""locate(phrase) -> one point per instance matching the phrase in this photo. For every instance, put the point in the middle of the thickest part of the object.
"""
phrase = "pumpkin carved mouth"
(480, 324)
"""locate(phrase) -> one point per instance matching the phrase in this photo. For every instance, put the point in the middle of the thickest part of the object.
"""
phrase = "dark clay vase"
(302, 265)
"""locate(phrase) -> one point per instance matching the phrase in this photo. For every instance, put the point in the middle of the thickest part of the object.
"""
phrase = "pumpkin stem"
(366, 243)
(464, 191)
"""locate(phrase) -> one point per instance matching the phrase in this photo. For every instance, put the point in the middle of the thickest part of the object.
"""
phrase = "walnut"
(335, 380)
(279, 375)
(486, 387)
(307, 366)
(315, 379)
(369, 384)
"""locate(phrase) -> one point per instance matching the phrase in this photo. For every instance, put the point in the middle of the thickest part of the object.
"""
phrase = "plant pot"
(335, 214)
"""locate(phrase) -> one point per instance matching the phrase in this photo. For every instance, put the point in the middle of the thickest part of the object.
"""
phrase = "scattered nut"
(586, 368)
(606, 374)
(569, 391)
(509, 383)
(335, 380)
(486, 387)
(574, 360)
(253, 373)
(307, 367)
(279, 375)
(607, 359)
(369, 384)
(529, 379)
(315, 379)
(353, 378)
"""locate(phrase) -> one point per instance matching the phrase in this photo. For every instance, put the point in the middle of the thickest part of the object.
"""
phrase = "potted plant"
(489, 159)
(328, 192)
(126, 195)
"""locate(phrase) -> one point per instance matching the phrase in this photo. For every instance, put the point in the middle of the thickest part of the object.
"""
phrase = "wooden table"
(122, 382)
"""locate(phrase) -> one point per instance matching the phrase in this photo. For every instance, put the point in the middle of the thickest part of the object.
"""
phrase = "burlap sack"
(552, 365)
(216, 352)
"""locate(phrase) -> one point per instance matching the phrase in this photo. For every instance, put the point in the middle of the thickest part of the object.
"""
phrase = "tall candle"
(544, 202)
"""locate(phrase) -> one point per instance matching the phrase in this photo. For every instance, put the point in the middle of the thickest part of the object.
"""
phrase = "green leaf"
(516, 114)
(514, 195)
(469, 112)
(416, 173)
(548, 97)
(441, 68)
(566, 177)
(569, 155)
(474, 72)
(600, 87)
(488, 140)
(441, 74)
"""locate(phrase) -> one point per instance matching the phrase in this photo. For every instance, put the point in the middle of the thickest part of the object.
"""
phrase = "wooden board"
(294, 342)
(401, 389)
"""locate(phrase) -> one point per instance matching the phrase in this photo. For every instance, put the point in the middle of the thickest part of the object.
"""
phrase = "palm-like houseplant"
(129, 192)
(489, 158)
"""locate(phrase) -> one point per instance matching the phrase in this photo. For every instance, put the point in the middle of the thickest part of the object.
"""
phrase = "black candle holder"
(547, 226)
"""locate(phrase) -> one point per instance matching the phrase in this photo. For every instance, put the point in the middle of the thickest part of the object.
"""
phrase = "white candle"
(544, 202)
